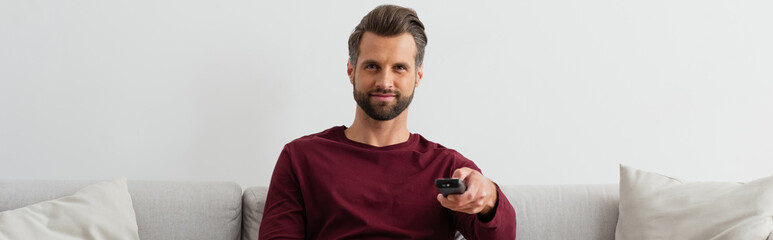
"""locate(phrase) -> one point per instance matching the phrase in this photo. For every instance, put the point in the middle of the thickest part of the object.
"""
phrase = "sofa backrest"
(164, 210)
(582, 212)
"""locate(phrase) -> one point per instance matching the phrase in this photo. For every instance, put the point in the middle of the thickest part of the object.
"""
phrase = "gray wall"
(534, 91)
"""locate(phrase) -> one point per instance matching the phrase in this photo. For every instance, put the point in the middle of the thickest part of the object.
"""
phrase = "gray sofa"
(220, 210)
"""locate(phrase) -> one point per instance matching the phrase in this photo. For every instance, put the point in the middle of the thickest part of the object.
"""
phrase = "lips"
(382, 96)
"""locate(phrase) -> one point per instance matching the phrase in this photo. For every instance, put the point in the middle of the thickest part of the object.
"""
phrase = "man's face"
(385, 76)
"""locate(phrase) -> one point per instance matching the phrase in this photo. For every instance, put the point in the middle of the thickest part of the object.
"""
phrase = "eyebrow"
(374, 62)
(369, 61)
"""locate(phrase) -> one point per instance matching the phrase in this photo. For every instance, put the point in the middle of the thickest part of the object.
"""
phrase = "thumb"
(462, 173)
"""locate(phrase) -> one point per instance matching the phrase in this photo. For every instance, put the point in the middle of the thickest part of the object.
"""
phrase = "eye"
(401, 68)
(371, 67)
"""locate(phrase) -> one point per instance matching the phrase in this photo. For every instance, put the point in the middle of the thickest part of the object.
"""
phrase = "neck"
(378, 133)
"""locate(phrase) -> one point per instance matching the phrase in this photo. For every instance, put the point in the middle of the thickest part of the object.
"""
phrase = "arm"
(483, 211)
(284, 215)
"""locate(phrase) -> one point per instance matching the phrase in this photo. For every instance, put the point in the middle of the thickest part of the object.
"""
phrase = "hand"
(480, 196)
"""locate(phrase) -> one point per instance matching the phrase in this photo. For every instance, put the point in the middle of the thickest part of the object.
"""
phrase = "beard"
(379, 110)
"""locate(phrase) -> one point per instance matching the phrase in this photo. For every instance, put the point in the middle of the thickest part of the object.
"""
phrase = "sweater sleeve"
(501, 226)
(284, 214)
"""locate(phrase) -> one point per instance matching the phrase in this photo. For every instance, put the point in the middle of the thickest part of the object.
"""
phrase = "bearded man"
(375, 179)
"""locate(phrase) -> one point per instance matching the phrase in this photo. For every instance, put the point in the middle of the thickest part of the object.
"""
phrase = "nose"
(385, 80)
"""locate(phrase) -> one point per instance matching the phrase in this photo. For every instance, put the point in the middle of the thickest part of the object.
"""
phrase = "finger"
(474, 206)
(467, 196)
(448, 203)
(464, 202)
(473, 187)
(480, 200)
(451, 200)
(443, 201)
(470, 210)
(457, 200)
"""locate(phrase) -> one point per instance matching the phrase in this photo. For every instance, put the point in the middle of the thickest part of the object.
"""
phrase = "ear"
(419, 74)
(350, 71)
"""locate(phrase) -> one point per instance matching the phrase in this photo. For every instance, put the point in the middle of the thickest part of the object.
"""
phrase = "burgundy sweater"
(325, 186)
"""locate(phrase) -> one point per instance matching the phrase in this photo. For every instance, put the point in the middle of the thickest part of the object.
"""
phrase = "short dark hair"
(387, 21)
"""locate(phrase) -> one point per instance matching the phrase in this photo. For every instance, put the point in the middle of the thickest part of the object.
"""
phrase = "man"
(375, 179)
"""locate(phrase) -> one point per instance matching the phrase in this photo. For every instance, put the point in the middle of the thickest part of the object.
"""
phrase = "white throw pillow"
(100, 211)
(653, 206)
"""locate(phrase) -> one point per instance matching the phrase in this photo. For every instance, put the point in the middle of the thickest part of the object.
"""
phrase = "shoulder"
(423, 144)
(451, 156)
(427, 145)
(327, 135)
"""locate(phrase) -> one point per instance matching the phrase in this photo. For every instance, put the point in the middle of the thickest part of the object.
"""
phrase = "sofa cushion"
(253, 202)
(653, 206)
(164, 210)
(99, 211)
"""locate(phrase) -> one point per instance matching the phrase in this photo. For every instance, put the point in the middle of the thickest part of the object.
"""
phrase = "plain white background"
(534, 91)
